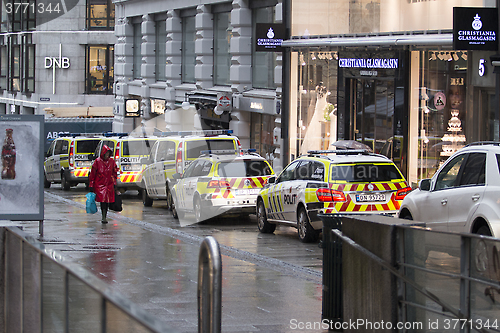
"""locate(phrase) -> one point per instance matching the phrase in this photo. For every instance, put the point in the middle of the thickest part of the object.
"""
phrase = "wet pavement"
(157, 268)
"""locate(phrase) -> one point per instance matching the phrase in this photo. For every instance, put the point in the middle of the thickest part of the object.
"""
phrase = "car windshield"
(142, 147)
(86, 146)
(365, 172)
(244, 168)
(194, 148)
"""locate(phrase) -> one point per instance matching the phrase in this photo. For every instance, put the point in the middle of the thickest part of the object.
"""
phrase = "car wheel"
(176, 213)
(306, 232)
(264, 226)
(169, 199)
(146, 199)
(484, 231)
(197, 209)
(46, 183)
(407, 216)
(64, 183)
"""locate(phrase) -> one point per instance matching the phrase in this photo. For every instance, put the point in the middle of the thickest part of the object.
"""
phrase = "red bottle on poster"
(8, 156)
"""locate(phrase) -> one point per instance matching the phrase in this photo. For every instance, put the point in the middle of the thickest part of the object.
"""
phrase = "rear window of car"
(194, 148)
(365, 172)
(86, 146)
(244, 168)
(137, 147)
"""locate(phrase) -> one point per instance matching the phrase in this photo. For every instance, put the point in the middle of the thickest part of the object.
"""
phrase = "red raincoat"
(103, 177)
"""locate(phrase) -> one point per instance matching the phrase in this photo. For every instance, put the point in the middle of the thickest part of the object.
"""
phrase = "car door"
(275, 194)
(186, 186)
(465, 198)
(49, 162)
(148, 175)
(434, 205)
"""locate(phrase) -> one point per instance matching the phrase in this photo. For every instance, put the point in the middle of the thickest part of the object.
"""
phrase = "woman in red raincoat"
(102, 180)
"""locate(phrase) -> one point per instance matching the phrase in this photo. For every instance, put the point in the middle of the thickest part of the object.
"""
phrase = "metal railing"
(209, 287)
(39, 292)
(446, 281)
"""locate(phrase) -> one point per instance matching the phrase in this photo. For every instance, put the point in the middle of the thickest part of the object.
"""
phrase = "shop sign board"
(21, 181)
(475, 28)
(269, 37)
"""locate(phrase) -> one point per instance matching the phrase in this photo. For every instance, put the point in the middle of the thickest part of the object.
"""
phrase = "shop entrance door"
(371, 111)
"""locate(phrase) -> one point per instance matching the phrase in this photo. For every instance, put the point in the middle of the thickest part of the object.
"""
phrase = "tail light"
(219, 184)
(401, 194)
(239, 146)
(178, 159)
(328, 195)
(71, 155)
(117, 152)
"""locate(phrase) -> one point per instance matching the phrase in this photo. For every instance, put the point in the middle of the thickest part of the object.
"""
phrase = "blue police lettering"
(290, 199)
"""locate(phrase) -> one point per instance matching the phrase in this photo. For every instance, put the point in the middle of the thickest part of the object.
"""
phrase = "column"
(203, 48)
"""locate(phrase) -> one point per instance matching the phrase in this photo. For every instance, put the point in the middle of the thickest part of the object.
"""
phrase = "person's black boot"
(104, 213)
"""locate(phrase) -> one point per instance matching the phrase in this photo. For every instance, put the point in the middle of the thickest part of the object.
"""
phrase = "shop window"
(261, 134)
(100, 69)
(188, 54)
(137, 51)
(4, 19)
(222, 41)
(442, 110)
(100, 15)
(263, 63)
(161, 50)
(315, 118)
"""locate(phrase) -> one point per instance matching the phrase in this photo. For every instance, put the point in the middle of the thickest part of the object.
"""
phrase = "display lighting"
(313, 56)
(455, 56)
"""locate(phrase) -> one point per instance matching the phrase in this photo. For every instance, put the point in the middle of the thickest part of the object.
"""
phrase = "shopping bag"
(91, 205)
(117, 205)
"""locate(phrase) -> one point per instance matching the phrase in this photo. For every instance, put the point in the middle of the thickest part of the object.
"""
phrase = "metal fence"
(435, 281)
(39, 292)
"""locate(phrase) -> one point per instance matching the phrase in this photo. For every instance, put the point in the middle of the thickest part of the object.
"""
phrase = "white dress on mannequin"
(313, 137)
(333, 126)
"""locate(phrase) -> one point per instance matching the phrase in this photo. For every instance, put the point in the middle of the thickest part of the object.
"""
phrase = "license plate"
(370, 197)
(131, 167)
(247, 191)
(81, 164)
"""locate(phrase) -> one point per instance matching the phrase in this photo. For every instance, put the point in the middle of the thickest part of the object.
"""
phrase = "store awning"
(433, 40)
(91, 111)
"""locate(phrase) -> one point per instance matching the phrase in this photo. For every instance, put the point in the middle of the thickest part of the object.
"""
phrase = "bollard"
(332, 304)
(209, 287)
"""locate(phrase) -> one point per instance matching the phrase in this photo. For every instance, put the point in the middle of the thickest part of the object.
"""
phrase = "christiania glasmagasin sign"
(475, 28)
(269, 37)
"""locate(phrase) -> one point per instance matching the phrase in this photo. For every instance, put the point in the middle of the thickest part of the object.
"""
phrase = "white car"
(463, 195)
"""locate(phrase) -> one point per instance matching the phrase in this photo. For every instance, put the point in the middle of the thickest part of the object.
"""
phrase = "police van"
(69, 159)
(173, 152)
(330, 181)
(127, 153)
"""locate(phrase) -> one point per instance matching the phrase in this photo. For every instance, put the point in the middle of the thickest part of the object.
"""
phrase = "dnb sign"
(59, 62)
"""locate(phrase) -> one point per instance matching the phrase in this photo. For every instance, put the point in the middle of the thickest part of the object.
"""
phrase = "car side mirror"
(271, 180)
(424, 185)
(176, 176)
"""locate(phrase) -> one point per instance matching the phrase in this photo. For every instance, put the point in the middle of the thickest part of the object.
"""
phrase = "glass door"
(371, 112)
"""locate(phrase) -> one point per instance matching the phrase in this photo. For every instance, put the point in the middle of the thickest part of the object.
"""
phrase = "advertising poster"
(21, 180)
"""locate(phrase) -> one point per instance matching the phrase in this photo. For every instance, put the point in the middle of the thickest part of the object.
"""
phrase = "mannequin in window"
(313, 137)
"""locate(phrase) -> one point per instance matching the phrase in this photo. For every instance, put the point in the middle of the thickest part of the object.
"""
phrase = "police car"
(127, 153)
(173, 152)
(217, 184)
(332, 181)
(68, 159)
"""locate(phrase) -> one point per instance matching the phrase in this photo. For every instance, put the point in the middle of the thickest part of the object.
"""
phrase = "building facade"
(57, 58)
(192, 65)
(385, 73)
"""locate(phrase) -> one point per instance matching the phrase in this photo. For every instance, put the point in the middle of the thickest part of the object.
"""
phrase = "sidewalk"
(157, 268)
